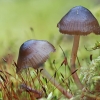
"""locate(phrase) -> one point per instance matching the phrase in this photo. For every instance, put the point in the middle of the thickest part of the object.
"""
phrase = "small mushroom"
(34, 53)
(78, 21)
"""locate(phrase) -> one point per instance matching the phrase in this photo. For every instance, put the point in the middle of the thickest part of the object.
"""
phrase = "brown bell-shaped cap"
(33, 53)
(79, 21)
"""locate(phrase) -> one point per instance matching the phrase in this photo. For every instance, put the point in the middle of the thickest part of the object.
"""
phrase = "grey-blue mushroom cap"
(33, 53)
(79, 21)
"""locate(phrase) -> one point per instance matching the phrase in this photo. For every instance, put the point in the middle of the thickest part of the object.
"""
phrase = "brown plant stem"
(37, 94)
(92, 96)
(73, 59)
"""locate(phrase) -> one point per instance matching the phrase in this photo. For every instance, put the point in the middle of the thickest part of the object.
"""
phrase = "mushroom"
(78, 21)
(34, 53)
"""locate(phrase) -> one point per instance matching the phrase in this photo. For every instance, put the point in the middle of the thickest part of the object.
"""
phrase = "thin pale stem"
(73, 59)
(55, 83)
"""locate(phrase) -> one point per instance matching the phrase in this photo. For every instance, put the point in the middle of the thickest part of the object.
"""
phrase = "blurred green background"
(21, 20)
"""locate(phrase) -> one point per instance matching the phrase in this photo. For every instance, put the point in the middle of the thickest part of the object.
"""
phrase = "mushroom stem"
(55, 83)
(73, 59)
